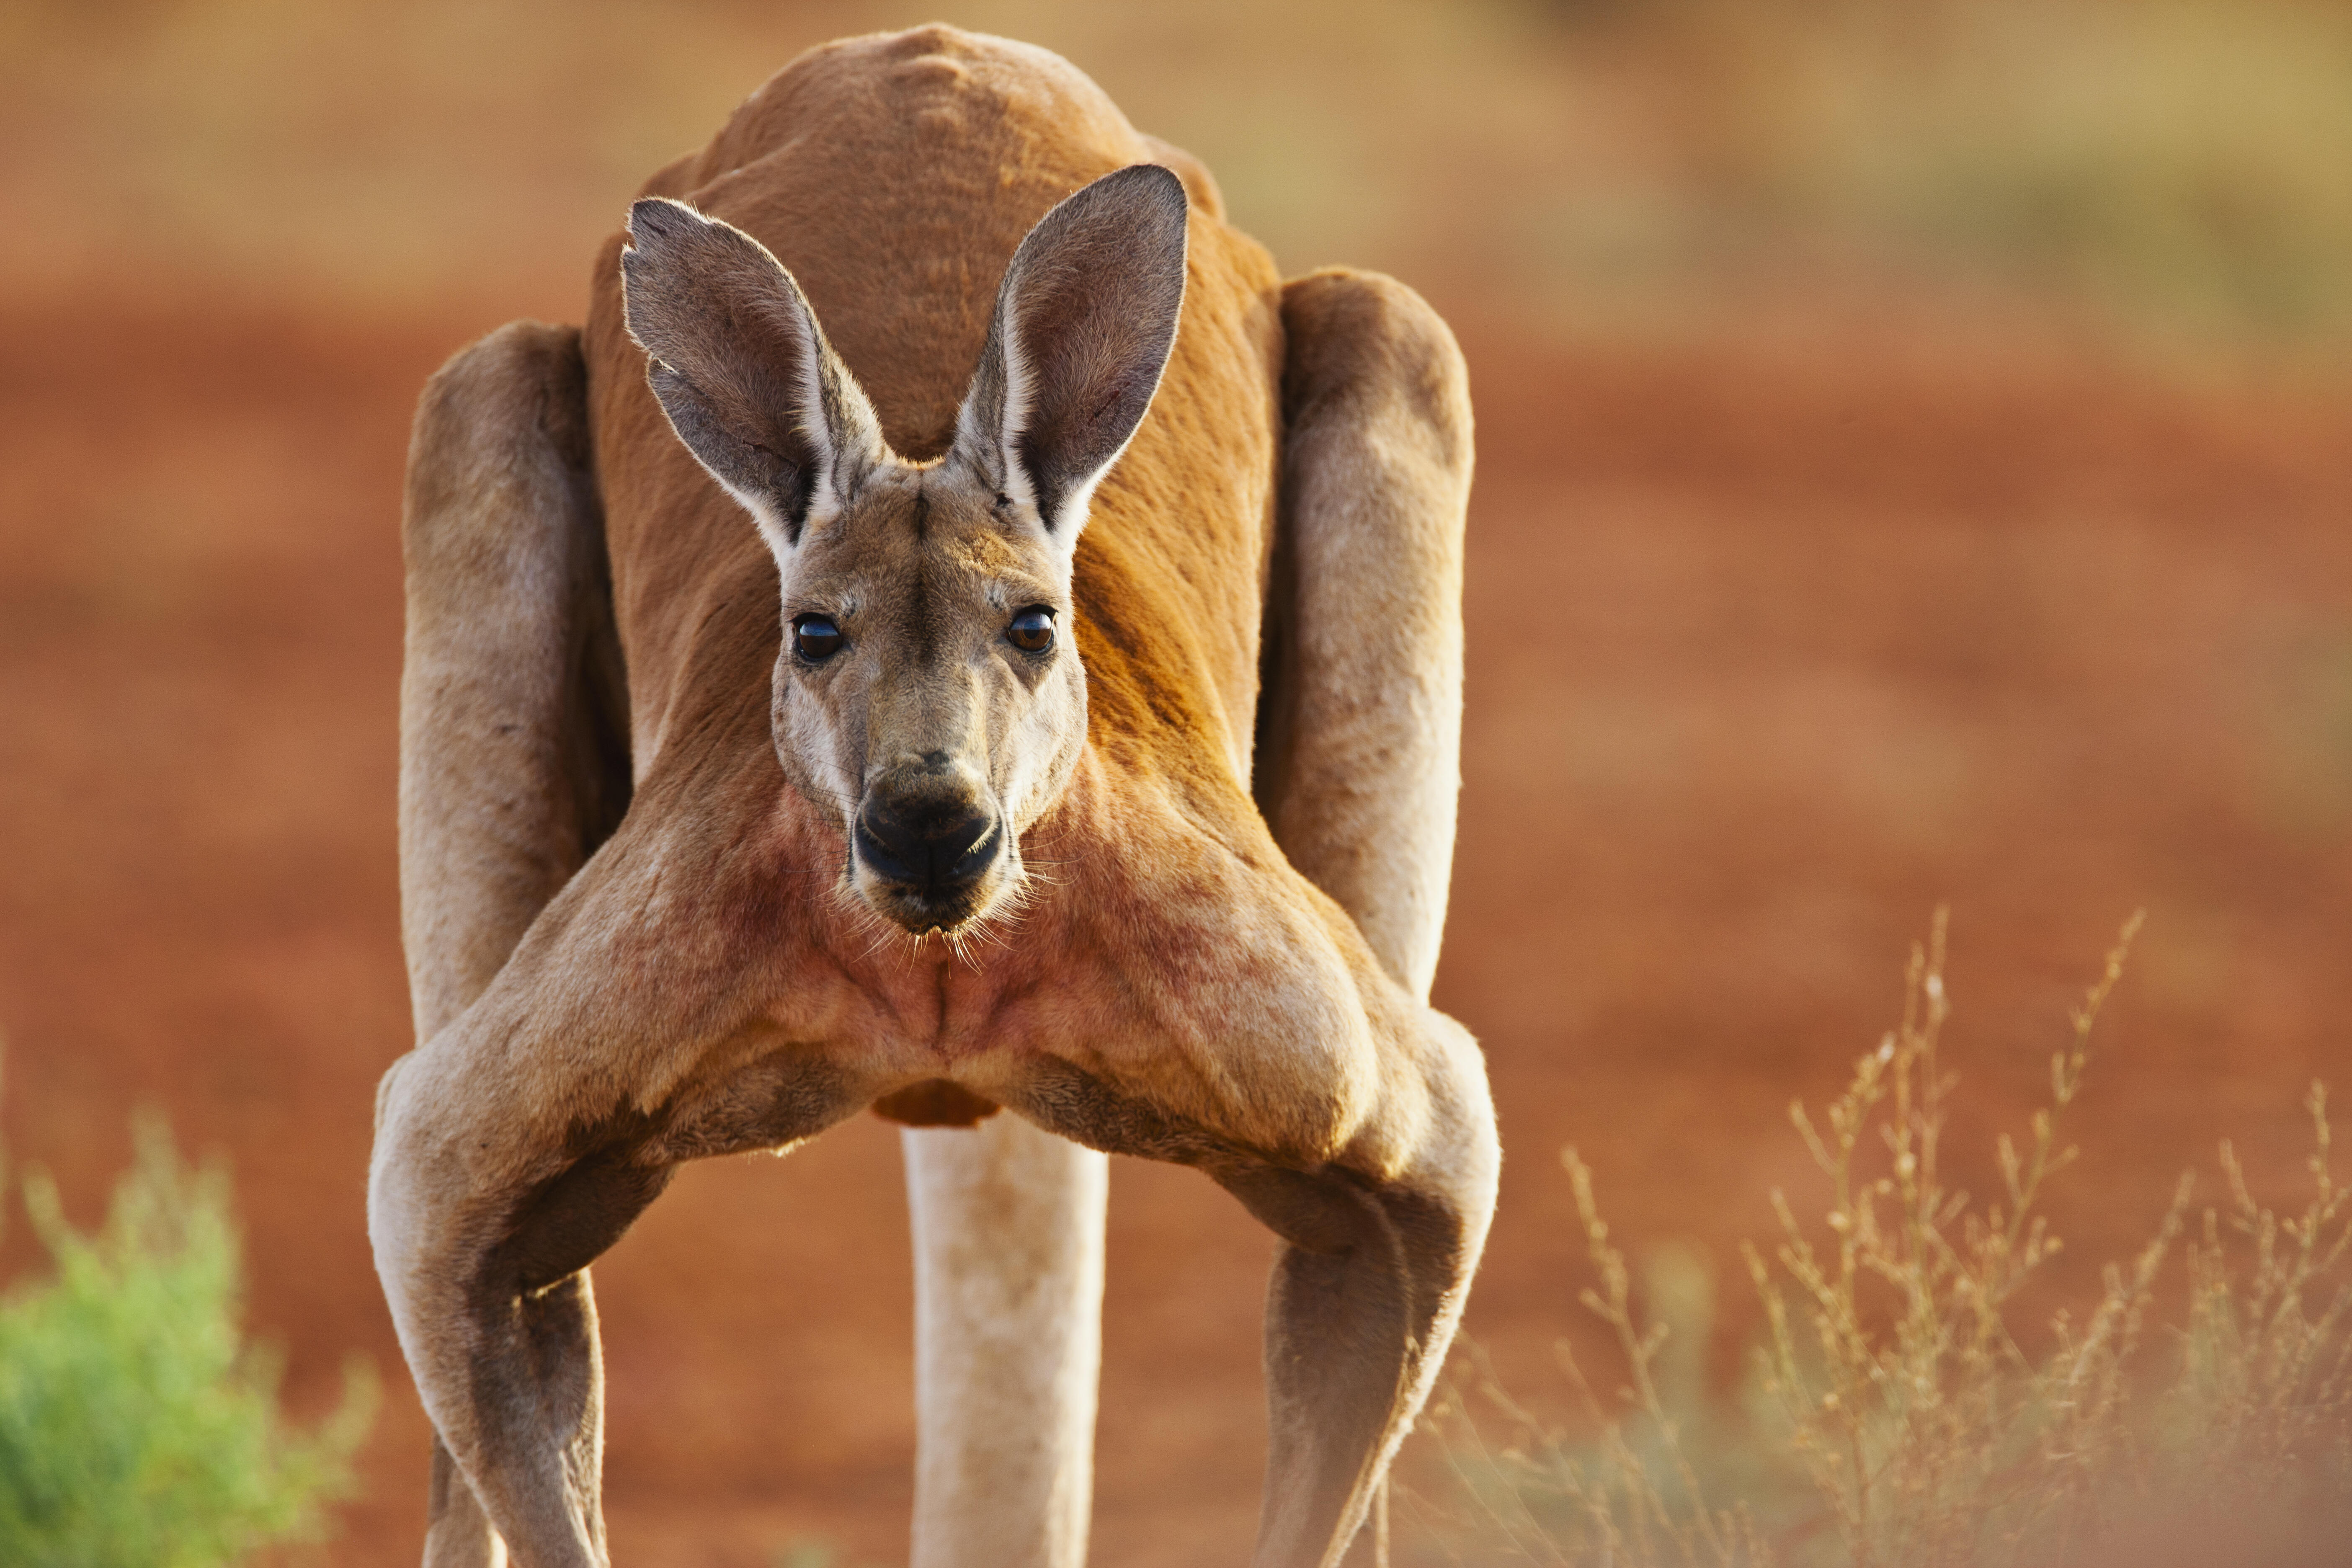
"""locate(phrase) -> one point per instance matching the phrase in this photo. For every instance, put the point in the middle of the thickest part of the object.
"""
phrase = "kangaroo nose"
(931, 843)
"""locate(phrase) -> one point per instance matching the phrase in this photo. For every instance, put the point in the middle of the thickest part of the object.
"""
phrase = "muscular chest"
(888, 1003)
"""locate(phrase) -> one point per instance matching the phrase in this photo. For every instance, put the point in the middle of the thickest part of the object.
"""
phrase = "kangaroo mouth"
(920, 911)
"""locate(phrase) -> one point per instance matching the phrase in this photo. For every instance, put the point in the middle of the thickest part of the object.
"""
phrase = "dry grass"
(1895, 1416)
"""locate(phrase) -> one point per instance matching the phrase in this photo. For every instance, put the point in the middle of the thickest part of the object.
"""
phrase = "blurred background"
(1915, 467)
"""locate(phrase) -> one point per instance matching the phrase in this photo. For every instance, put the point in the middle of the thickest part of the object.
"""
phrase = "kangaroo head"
(928, 697)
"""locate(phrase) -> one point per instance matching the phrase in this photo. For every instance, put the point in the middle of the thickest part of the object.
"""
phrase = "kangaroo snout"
(924, 845)
(930, 831)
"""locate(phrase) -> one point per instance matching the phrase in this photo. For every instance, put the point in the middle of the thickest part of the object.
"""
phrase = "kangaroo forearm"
(458, 1533)
(1366, 1297)
(1381, 1242)
(499, 1323)
(535, 1395)
(482, 1236)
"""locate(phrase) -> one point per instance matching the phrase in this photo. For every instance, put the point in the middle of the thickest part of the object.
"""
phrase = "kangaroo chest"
(1146, 946)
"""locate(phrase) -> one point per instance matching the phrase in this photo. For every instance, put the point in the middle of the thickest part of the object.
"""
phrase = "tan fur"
(1156, 971)
(504, 512)
(1008, 1233)
(1362, 764)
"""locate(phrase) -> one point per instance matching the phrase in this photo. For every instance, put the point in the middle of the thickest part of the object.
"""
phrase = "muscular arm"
(513, 767)
(1357, 771)
(1380, 1232)
(519, 1140)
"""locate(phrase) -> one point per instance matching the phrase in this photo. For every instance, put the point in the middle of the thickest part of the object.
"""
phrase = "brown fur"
(1176, 986)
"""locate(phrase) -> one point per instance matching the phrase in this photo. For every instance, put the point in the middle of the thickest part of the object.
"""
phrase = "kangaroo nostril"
(927, 844)
(965, 853)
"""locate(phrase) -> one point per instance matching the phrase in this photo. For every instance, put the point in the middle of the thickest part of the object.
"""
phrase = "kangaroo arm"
(501, 1345)
(1378, 1244)
(1368, 1290)
(1357, 774)
(519, 1143)
(1360, 720)
(497, 1318)
(513, 765)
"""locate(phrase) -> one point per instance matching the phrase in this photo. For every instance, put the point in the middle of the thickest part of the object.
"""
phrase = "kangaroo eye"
(815, 637)
(1031, 630)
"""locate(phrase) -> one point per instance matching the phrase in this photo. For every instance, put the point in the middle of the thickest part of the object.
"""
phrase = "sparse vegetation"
(1894, 1417)
(138, 1429)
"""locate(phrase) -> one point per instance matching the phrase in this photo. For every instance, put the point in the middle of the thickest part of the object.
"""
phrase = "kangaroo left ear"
(1085, 320)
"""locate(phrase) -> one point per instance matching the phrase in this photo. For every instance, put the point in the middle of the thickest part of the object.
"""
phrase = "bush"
(1892, 1417)
(136, 1429)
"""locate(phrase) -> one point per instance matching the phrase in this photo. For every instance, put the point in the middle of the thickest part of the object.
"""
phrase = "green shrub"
(137, 1430)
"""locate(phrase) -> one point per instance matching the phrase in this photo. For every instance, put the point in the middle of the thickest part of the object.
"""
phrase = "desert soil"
(1776, 644)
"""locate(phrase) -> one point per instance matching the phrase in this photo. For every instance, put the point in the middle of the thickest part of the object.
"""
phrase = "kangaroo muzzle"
(928, 836)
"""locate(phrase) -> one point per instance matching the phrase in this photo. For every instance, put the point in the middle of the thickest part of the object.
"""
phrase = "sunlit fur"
(921, 717)
(637, 932)
(922, 573)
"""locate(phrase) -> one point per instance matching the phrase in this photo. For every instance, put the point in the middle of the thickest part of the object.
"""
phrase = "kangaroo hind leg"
(1359, 721)
(514, 759)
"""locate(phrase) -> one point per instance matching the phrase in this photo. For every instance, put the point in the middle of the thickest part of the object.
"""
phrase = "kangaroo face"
(926, 697)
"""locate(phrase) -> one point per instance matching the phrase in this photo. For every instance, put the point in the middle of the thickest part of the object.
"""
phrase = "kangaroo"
(954, 632)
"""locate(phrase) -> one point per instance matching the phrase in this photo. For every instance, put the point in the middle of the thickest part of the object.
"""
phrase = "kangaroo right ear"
(735, 356)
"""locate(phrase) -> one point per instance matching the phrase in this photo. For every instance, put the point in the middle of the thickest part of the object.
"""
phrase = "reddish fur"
(952, 152)
(955, 154)
(1180, 986)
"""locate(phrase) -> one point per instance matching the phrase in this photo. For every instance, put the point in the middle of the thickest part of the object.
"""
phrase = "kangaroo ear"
(1084, 321)
(736, 357)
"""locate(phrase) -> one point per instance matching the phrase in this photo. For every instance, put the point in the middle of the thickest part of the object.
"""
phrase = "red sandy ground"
(1773, 649)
